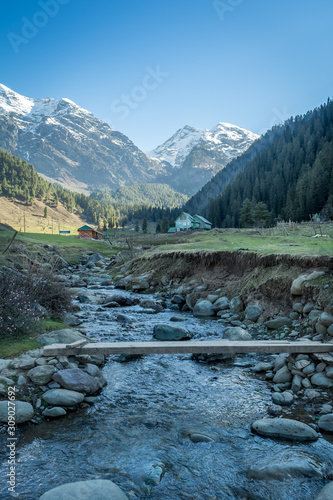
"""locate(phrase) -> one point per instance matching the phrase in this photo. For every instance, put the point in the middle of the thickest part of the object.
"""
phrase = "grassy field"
(303, 239)
(70, 247)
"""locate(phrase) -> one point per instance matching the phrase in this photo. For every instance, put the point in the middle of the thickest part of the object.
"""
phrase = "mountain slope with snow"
(198, 154)
(69, 145)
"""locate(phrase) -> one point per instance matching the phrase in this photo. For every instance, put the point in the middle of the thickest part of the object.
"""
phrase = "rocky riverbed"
(174, 427)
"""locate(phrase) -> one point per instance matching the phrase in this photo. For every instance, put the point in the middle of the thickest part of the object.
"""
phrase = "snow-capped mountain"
(225, 138)
(197, 154)
(69, 145)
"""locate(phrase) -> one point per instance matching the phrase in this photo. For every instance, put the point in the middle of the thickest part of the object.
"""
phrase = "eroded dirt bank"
(255, 278)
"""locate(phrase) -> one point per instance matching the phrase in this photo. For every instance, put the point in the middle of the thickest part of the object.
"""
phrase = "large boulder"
(5, 363)
(204, 308)
(236, 333)
(78, 380)
(23, 411)
(66, 336)
(62, 397)
(99, 489)
(41, 375)
(170, 332)
(119, 298)
(284, 428)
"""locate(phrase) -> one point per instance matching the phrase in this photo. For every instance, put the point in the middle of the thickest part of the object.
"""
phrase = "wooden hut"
(88, 232)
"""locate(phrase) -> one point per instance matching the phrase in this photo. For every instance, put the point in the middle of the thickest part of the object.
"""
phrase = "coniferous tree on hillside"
(291, 178)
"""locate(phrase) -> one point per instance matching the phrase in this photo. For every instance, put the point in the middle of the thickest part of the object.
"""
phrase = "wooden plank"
(189, 347)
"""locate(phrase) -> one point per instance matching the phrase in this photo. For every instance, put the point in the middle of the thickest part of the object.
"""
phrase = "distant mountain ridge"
(69, 145)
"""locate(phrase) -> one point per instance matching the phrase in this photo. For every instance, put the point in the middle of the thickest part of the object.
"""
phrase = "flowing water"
(141, 425)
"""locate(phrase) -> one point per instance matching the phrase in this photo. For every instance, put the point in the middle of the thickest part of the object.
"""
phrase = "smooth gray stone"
(236, 333)
(170, 332)
(63, 397)
(203, 308)
(276, 323)
(221, 304)
(325, 423)
(23, 411)
(285, 464)
(282, 376)
(96, 489)
(54, 412)
(284, 428)
(41, 375)
(236, 305)
(253, 312)
(321, 380)
(76, 380)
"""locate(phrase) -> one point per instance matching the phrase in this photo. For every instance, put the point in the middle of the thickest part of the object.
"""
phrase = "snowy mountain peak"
(224, 138)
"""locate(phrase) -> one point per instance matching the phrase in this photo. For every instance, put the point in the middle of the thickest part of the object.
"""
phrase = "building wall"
(85, 233)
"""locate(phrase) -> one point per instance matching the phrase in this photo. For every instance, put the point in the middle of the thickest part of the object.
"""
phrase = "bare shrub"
(19, 310)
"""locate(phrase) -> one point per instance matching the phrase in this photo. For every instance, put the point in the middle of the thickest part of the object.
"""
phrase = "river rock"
(54, 412)
(284, 428)
(5, 363)
(99, 489)
(177, 299)
(177, 318)
(329, 372)
(71, 320)
(221, 304)
(123, 318)
(66, 336)
(236, 333)
(41, 375)
(321, 380)
(298, 307)
(236, 305)
(285, 464)
(280, 361)
(276, 323)
(27, 363)
(326, 493)
(326, 319)
(282, 398)
(169, 332)
(63, 397)
(151, 304)
(253, 312)
(23, 411)
(325, 423)
(76, 380)
(296, 383)
(139, 283)
(262, 367)
(119, 298)
(203, 308)
(197, 437)
(282, 376)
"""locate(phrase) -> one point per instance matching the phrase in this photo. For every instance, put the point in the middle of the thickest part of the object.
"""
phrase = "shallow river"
(141, 424)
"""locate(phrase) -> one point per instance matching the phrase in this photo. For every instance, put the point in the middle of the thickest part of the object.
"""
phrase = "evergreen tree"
(137, 229)
(45, 212)
(246, 213)
(144, 226)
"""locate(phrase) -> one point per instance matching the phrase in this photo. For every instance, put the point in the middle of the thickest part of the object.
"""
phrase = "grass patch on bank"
(70, 247)
(14, 347)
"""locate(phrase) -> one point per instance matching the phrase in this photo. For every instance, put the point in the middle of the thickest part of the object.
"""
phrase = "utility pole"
(24, 221)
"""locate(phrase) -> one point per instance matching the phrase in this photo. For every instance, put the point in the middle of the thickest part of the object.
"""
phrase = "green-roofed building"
(90, 233)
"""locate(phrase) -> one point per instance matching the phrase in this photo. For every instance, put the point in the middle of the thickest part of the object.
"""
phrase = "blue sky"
(150, 67)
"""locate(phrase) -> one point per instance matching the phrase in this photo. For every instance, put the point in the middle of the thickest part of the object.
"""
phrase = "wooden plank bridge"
(187, 347)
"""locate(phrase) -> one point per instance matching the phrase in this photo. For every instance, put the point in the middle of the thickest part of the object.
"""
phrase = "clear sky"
(150, 67)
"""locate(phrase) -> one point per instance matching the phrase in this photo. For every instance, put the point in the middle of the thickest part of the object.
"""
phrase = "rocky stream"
(170, 427)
